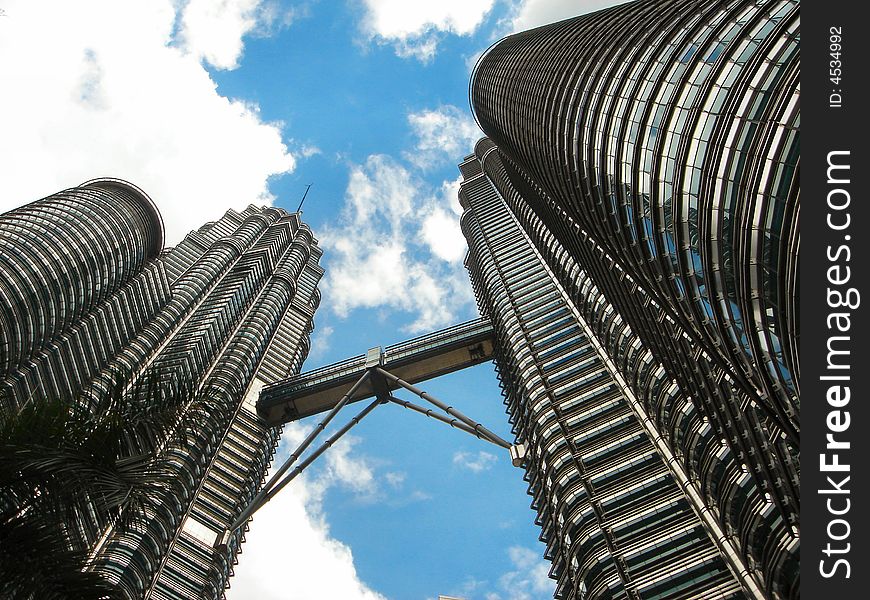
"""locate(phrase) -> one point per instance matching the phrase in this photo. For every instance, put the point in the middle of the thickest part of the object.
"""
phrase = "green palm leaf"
(103, 459)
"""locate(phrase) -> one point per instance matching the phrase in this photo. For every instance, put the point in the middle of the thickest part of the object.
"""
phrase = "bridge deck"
(414, 360)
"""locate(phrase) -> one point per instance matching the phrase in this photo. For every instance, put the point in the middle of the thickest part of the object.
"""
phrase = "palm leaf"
(102, 457)
(36, 563)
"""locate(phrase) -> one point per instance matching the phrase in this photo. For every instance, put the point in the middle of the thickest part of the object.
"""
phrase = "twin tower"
(632, 229)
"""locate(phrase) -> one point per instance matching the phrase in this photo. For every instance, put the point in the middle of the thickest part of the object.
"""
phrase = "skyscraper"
(88, 297)
(674, 143)
(617, 511)
(649, 152)
(73, 266)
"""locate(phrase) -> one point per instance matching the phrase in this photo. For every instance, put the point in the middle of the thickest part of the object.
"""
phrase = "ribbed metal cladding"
(658, 141)
(668, 132)
(243, 303)
(669, 129)
(69, 264)
(733, 493)
(611, 499)
(89, 298)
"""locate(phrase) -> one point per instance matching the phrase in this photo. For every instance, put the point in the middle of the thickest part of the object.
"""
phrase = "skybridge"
(376, 374)
(413, 361)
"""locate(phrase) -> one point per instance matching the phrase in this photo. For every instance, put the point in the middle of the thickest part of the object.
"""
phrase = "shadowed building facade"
(650, 151)
(73, 266)
(89, 297)
(618, 514)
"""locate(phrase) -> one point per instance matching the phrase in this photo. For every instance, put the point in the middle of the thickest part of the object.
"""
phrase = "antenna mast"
(303, 198)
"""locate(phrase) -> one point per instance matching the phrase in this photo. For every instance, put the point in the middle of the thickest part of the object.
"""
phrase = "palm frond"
(102, 458)
(36, 564)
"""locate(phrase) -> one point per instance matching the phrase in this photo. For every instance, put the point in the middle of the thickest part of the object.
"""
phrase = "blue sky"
(208, 105)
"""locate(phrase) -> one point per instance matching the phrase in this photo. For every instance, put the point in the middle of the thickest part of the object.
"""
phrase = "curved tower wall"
(609, 496)
(90, 299)
(658, 141)
(718, 484)
(668, 132)
(70, 264)
(252, 277)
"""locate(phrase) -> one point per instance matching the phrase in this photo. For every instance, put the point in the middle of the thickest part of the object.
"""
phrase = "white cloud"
(531, 572)
(291, 531)
(378, 255)
(272, 16)
(115, 94)
(320, 342)
(400, 18)
(440, 224)
(398, 497)
(302, 562)
(398, 244)
(423, 48)
(469, 588)
(414, 28)
(441, 231)
(476, 463)
(212, 30)
(349, 470)
(527, 580)
(534, 13)
(395, 479)
(444, 135)
(309, 150)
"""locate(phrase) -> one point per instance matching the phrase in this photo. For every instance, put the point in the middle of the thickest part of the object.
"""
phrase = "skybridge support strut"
(379, 382)
(323, 448)
(260, 498)
(486, 433)
(274, 486)
(456, 423)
